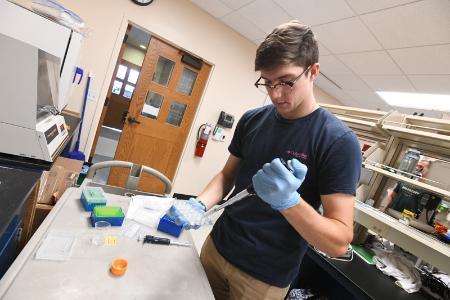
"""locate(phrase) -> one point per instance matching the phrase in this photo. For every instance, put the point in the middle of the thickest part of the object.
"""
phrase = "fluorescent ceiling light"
(142, 46)
(416, 100)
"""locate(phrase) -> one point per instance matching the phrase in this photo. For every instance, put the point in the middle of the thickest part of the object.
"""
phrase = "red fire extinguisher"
(202, 139)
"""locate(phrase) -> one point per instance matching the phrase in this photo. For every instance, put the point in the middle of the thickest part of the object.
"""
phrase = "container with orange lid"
(119, 266)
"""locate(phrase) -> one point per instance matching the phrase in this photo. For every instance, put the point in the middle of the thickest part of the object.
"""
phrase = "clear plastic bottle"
(410, 160)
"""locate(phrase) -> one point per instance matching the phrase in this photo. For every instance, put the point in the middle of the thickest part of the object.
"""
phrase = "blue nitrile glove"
(178, 217)
(277, 186)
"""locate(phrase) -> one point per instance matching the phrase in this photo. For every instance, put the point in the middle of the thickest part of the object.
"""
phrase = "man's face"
(290, 101)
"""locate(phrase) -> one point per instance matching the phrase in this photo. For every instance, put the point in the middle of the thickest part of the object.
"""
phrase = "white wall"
(230, 87)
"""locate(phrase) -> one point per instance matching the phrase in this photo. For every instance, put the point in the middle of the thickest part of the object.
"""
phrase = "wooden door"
(160, 115)
(120, 94)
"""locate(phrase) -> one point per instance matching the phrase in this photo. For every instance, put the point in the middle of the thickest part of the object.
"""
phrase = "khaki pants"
(228, 282)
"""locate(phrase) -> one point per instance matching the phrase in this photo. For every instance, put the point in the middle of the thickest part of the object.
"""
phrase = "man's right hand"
(277, 186)
(178, 217)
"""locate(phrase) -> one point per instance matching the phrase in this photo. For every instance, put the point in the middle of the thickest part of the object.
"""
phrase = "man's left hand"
(176, 216)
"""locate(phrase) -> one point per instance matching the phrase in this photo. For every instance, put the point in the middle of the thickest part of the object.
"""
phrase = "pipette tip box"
(167, 225)
(111, 214)
(91, 197)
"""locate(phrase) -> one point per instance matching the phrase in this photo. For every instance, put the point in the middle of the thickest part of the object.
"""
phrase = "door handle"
(132, 120)
(124, 117)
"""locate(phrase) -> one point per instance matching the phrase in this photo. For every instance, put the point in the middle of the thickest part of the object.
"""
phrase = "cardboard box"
(54, 182)
(72, 165)
(41, 212)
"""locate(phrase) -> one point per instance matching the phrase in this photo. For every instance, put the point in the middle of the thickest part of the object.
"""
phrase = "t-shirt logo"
(409, 191)
(297, 154)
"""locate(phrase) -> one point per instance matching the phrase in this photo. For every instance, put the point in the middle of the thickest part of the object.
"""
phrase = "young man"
(256, 246)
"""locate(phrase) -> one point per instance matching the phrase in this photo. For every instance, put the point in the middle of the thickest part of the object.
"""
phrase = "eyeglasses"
(266, 87)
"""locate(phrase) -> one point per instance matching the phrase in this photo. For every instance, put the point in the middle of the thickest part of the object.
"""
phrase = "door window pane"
(117, 86)
(163, 71)
(121, 71)
(133, 76)
(176, 113)
(187, 81)
(129, 89)
(152, 105)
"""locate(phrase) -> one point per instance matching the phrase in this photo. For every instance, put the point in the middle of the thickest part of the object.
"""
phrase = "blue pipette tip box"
(168, 226)
(111, 214)
(91, 197)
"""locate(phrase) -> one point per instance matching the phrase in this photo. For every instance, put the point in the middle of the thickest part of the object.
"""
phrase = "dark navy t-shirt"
(250, 234)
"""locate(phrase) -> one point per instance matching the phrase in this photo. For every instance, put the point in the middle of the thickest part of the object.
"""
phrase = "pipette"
(248, 191)
(239, 196)
(163, 241)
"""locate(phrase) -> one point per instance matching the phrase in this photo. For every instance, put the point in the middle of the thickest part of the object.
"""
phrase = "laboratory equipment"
(56, 246)
(409, 161)
(194, 216)
(119, 266)
(443, 214)
(111, 214)
(101, 228)
(239, 196)
(163, 241)
(39, 57)
(391, 134)
(91, 197)
(244, 193)
(428, 203)
(167, 225)
(93, 263)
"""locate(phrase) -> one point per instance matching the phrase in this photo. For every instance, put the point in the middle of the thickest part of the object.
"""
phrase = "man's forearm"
(216, 190)
(328, 235)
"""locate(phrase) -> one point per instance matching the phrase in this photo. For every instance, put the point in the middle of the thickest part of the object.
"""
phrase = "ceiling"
(365, 45)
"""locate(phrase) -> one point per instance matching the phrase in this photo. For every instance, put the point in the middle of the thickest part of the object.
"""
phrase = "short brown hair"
(291, 42)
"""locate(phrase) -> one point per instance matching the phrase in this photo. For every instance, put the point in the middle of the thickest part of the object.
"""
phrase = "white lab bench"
(154, 271)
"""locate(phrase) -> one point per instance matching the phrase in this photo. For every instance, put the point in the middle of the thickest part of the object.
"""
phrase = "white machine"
(37, 63)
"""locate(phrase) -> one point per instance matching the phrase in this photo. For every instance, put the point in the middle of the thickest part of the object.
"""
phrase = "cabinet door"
(8, 245)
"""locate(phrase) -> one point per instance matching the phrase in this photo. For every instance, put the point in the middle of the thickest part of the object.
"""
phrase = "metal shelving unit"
(392, 133)
(433, 133)
(365, 123)
(418, 243)
(419, 184)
